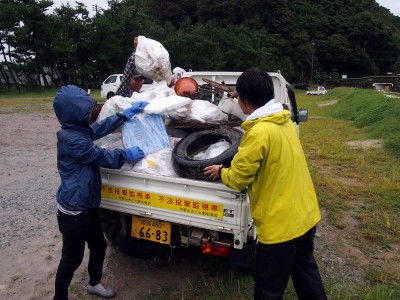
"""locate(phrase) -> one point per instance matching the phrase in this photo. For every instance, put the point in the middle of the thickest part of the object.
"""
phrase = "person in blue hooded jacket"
(79, 194)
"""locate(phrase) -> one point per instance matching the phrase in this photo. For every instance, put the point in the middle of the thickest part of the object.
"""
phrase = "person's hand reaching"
(134, 153)
(134, 109)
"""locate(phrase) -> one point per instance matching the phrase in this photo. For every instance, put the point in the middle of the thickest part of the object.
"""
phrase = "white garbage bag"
(206, 112)
(113, 105)
(152, 60)
(158, 163)
(166, 104)
(231, 106)
(158, 90)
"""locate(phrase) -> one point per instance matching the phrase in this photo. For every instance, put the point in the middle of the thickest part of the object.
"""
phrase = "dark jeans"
(275, 263)
(76, 230)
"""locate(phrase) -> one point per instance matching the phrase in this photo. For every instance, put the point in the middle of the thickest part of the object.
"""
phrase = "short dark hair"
(255, 87)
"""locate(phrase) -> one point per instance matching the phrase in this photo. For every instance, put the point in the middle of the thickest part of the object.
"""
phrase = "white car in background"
(319, 91)
(110, 86)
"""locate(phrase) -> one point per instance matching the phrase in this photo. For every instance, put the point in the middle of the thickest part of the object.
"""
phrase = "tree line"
(304, 39)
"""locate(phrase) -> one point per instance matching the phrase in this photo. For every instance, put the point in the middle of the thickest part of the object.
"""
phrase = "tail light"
(216, 249)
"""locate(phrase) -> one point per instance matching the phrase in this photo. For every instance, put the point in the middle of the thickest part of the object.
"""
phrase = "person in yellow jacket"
(270, 162)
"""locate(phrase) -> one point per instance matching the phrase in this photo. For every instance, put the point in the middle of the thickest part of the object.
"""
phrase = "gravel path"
(28, 174)
(30, 243)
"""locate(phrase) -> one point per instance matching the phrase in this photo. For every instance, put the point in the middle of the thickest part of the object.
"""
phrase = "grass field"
(362, 182)
(22, 102)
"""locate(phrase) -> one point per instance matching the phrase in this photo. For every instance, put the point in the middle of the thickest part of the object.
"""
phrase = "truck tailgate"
(207, 205)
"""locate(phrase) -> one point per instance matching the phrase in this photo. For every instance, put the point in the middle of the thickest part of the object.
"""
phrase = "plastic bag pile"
(147, 130)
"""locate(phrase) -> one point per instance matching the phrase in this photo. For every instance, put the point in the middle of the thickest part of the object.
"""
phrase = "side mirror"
(303, 115)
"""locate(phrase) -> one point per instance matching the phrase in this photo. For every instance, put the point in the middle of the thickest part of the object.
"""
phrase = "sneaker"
(101, 291)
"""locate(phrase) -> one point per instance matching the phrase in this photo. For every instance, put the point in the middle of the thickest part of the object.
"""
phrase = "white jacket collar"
(270, 108)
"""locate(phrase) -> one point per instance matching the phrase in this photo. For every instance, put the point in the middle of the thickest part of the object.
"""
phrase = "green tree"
(9, 22)
(71, 51)
(173, 11)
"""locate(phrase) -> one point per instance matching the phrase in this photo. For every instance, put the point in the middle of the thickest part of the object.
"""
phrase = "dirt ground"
(30, 243)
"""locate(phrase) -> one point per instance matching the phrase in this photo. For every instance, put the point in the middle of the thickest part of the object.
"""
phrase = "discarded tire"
(192, 144)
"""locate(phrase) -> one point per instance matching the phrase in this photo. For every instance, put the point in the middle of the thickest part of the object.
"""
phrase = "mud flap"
(244, 257)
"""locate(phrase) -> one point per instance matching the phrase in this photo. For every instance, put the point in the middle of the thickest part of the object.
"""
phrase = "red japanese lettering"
(204, 206)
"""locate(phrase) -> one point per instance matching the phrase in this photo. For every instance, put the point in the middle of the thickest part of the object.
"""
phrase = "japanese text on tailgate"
(183, 205)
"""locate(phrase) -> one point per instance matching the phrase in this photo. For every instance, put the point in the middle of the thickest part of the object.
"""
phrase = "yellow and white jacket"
(271, 163)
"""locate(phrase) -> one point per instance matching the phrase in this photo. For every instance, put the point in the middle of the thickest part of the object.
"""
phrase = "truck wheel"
(190, 145)
(110, 94)
(111, 235)
(110, 224)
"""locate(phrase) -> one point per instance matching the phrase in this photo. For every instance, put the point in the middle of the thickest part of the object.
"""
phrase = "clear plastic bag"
(152, 60)
(213, 150)
(147, 132)
(111, 141)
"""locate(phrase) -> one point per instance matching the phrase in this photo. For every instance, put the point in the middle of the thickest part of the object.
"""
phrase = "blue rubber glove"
(134, 109)
(134, 153)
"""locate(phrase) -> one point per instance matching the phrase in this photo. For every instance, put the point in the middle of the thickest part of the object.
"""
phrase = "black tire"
(183, 151)
(110, 224)
(110, 94)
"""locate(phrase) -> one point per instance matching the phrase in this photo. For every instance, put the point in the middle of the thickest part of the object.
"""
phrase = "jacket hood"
(269, 108)
(281, 117)
(73, 106)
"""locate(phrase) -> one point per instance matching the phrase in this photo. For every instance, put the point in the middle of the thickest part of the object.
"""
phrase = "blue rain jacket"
(78, 158)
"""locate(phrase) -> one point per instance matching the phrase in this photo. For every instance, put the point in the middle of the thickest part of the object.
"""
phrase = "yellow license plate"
(152, 230)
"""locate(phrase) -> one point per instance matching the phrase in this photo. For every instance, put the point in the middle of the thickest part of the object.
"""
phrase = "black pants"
(275, 263)
(76, 230)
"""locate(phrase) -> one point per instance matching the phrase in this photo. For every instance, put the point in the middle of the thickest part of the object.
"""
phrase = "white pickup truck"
(319, 91)
(150, 215)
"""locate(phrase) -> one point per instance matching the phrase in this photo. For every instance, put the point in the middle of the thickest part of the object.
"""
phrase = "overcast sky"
(392, 5)
(88, 4)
